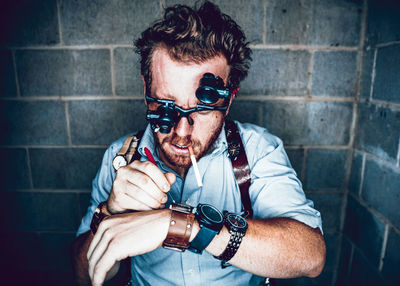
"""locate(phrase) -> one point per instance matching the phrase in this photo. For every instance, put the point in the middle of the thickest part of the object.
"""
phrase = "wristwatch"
(180, 227)
(100, 213)
(237, 227)
(210, 220)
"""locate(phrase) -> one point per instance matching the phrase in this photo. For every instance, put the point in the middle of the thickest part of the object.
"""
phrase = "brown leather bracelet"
(180, 227)
(100, 213)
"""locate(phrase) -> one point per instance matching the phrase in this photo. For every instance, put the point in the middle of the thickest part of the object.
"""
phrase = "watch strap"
(202, 240)
(232, 247)
(180, 227)
(99, 215)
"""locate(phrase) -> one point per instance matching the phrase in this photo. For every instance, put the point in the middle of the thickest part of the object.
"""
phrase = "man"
(192, 63)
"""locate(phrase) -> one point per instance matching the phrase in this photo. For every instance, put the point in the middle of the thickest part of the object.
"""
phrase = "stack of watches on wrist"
(237, 227)
(100, 213)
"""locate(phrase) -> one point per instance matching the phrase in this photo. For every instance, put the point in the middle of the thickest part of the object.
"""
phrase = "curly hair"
(194, 36)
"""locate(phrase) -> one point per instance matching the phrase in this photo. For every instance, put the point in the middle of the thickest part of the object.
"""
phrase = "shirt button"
(188, 202)
(191, 271)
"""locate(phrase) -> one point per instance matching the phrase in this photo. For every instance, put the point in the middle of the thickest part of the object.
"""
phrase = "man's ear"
(233, 95)
(144, 88)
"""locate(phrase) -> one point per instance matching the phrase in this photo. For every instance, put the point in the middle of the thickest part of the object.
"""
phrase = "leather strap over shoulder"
(240, 165)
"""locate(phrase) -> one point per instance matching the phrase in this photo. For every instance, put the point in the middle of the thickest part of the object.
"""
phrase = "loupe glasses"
(168, 114)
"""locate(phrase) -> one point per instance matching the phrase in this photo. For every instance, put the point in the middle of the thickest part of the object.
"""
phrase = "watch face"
(211, 213)
(119, 161)
(236, 221)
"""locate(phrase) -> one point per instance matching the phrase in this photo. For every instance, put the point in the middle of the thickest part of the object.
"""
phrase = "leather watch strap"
(180, 227)
(240, 165)
(100, 213)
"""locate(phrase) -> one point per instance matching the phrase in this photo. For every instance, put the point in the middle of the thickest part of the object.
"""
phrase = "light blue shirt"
(275, 191)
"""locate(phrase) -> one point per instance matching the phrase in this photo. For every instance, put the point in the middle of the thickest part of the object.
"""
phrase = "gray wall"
(324, 78)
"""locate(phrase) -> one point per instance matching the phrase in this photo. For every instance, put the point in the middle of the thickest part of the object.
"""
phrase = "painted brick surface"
(64, 72)
(334, 74)
(102, 122)
(249, 15)
(366, 73)
(29, 22)
(365, 230)
(325, 169)
(40, 211)
(378, 131)
(14, 166)
(35, 123)
(356, 171)
(381, 189)
(49, 169)
(7, 76)
(330, 23)
(277, 72)
(245, 111)
(296, 157)
(106, 22)
(127, 72)
(84, 202)
(383, 22)
(332, 242)
(387, 74)
(309, 123)
(330, 207)
(344, 260)
(362, 272)
(390, 270)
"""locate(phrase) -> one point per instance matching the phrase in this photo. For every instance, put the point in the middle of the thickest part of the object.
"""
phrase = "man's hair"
(190, 35)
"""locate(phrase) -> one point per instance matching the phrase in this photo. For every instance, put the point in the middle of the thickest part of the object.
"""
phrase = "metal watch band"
(180, 227)
(232, 247)
(100, 213)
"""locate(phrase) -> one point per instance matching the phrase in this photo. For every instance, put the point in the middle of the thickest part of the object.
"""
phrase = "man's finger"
(103, 265)
(154, 173)
(146, 184)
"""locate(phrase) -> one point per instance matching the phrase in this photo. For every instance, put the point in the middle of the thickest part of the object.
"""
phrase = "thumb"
(171, 177)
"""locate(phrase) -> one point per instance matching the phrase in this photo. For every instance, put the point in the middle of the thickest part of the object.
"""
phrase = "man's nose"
(183, 128)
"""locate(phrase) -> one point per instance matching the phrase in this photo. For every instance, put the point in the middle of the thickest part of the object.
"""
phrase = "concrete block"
(100, 122)
(331, 23)
(309, 123)
(344, 260)
(84, 202)
(33, 123)
(56, 250)
(378, 131)
(49, 171)
(366, 73)
(383, 22)
(245, 111)
(362, 272)
(29, 22)
(365, 230)
(40, 211)
(387, 74)
(296, 157)
(330, 207)
(64, 72)
(14, 169)
(356, 171)
(106, 22)
(7, 76)
(332, 242)
(249, 15)
(277, 73)
(390, 270)
(127, 72)
(334, 74)
(381, 189)
(325, 169)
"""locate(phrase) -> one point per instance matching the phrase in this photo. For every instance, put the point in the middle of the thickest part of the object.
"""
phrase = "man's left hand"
(125, 235)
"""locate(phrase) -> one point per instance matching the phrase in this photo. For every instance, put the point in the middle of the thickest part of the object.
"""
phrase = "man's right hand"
(139, 186)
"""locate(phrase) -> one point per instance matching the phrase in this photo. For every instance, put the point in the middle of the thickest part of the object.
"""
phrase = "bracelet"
(180, 227)
(100, 213)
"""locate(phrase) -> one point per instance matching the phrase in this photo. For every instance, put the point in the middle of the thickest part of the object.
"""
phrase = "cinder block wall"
(370, 249)
(70, 85)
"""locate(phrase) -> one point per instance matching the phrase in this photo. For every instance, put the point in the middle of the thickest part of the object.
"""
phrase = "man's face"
(178, 81)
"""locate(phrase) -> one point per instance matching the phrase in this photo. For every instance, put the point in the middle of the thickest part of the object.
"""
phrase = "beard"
(183, 161)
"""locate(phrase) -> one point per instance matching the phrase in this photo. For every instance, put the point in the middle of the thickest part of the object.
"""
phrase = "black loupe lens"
(207, 95)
